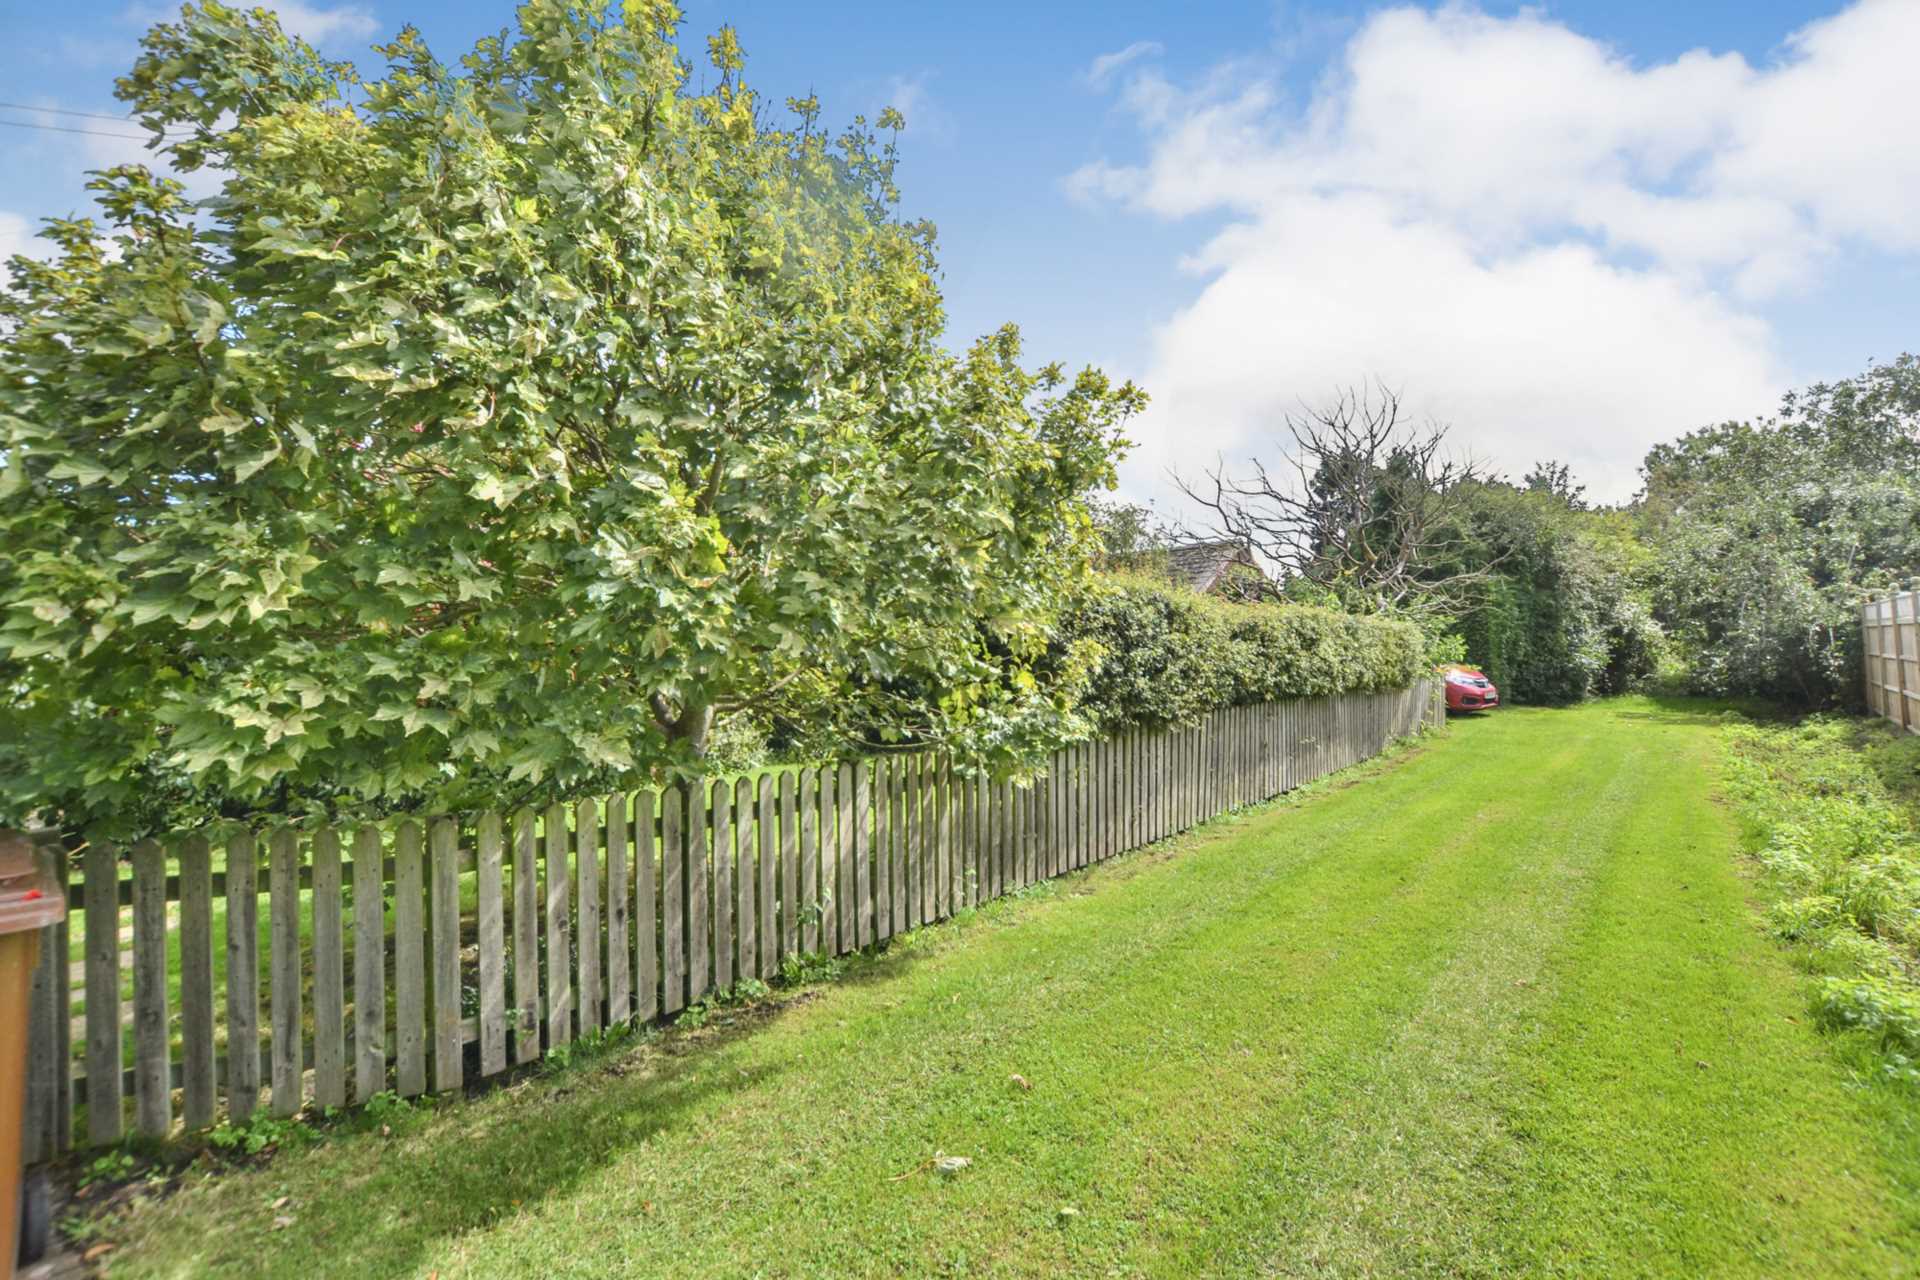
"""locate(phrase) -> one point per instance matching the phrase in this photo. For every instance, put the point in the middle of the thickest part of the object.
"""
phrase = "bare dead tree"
(1365, 504)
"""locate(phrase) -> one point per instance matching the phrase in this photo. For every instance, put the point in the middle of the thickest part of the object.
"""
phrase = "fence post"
(48, 1101)
(1899, 660)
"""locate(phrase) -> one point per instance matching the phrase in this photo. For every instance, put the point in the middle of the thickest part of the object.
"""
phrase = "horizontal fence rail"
(199, 979)
(1890, 654)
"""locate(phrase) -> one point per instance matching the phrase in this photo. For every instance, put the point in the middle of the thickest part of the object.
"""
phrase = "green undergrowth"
(1832, 803)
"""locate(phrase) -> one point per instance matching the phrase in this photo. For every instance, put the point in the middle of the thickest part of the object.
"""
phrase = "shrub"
(1885, 1009)
(1168, 656)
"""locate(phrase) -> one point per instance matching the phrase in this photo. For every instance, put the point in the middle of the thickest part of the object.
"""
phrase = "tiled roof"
(1201, 565)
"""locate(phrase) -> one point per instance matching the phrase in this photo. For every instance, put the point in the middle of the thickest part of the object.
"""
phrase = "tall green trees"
(1768, 533)
(504, 422)
(1562, 610)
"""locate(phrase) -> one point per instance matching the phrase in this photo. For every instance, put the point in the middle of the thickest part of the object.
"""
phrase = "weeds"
(1832, 802)
(262, 1132)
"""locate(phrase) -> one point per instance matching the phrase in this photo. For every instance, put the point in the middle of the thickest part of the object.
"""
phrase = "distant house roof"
(1204, 565)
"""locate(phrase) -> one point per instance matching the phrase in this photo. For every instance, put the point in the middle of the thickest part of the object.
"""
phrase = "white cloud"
(1107, 65)
(322, 24)
(927, 120)
(317, 24)
(1562, 252)
(17, 237)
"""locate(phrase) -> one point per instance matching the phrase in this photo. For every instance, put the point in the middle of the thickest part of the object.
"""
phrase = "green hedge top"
(1168, 655)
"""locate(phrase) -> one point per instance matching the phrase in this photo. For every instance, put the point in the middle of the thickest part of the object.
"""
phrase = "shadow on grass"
(1686, 710)
(375, 1205)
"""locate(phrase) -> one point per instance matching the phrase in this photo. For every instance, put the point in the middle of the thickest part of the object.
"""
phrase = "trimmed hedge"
(1168, 656)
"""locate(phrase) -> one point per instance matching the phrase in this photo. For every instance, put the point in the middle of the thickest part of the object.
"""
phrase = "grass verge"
(1498, 1006)
(1831, 802)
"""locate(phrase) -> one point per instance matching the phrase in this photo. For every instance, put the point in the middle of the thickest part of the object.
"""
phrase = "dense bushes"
(1560, 611)
(1165, 655)
(1768, 533)
(1842, 862)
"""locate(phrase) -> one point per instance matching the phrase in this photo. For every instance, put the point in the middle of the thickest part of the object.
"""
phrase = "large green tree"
(1562, 606)
(1769, 532)
(505, 422)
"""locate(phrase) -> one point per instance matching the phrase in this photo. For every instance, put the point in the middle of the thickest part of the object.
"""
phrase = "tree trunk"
(693, 724)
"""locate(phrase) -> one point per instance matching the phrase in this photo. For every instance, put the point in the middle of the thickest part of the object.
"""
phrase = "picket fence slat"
(646, 940)
(152, 1098)
(699, 908)
(243, 981)
(369, 965)
(103, 987)
(767, 831)
(329, 974)
(559, 944)
(726, 855)
(618, 967)
(283, 901)
(490, 913)
(526, 938)
(409, 964)
(805, 892)
(443, 846)
(673, 901)
(875, 800)
(586, 834)
(196, 982)
(846, 860)
(793, 875)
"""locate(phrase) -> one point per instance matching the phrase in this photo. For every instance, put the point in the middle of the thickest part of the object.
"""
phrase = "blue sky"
(1569, 230)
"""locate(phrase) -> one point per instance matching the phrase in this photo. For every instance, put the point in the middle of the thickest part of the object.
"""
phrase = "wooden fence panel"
(665, 897)
(1890, 644)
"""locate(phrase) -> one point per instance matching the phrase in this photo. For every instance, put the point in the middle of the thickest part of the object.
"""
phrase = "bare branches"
(1364, 504)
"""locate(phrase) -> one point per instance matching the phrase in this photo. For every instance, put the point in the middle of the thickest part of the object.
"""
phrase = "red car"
(1468, 689)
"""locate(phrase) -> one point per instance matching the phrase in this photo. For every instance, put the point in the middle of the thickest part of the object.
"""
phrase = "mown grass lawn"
(1497, 1006)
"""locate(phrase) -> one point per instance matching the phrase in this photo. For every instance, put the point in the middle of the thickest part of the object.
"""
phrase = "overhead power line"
(63, 111)
(61, 128)
(66, 111)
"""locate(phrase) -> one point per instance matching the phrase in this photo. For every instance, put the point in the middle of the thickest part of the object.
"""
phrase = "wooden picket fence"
(418, 956)
(1890, 653)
